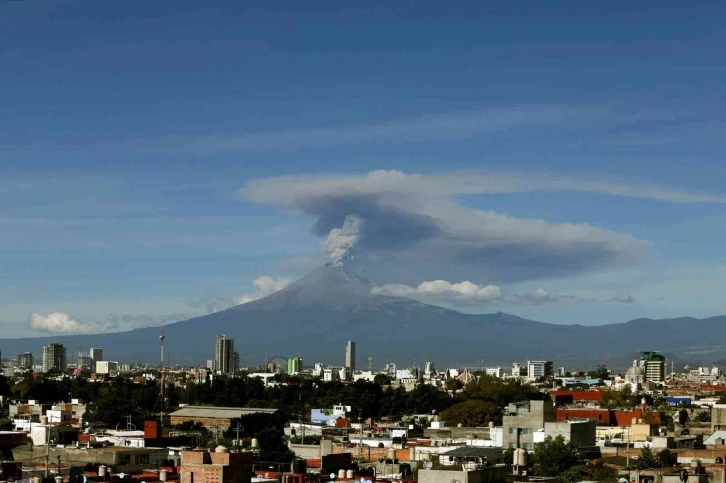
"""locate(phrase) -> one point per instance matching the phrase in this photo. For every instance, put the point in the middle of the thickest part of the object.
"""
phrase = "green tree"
(470, 413)
(273, 448)
(6, 424)
(600, 373)
(666, 459)
(646, 460)
(554, 456)
(703, 417)
(612, 398)
(497, 393)
(382, 380)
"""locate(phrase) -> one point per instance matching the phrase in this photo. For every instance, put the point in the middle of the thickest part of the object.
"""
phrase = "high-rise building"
(537, 369)
(25, 360)
(85, 362)
(224, 357)
(294, 365)
(96, 355)
(653, 365)
(54, 357)
(235, 362)
(350, 357)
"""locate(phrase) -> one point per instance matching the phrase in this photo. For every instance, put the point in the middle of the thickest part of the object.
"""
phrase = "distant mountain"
(314, 317)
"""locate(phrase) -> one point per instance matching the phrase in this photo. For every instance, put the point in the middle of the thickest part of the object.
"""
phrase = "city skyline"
(558, 163)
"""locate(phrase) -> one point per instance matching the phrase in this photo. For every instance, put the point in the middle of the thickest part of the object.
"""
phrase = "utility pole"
(47, 448)
(162, 394)
(238, 429)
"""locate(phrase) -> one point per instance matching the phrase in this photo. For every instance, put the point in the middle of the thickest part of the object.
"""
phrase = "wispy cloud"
(443, 127)
(264, 285)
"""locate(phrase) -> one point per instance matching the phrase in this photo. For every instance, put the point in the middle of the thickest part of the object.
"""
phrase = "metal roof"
(218, 412)
(473, 452)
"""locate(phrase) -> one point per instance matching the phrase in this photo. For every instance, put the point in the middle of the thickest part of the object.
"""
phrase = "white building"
(331, 374)
(537, 369)
(493, 371)
(107, 368)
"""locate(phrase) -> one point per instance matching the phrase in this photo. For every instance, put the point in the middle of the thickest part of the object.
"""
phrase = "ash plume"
(341, 241)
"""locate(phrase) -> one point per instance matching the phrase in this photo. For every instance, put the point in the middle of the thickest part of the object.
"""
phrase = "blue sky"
(141, 142)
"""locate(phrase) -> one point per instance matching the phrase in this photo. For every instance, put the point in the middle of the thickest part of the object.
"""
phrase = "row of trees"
(113, 402)
(484, 401)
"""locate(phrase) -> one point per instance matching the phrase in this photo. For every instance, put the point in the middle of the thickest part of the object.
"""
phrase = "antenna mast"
(163, 383)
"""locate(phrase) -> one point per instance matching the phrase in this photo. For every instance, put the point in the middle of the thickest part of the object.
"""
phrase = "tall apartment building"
(294, 365)
(653, 365)
(224, 356)
(96, 355)
(54, 357)
(350, 357)
(537, 369)
(25, 360)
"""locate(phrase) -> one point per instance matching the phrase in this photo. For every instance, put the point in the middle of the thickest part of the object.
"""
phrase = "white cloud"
(472, 294)
(59, 322)
(464, 292)
(264, 286)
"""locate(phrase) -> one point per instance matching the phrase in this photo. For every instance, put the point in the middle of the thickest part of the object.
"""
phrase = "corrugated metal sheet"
(218, 412)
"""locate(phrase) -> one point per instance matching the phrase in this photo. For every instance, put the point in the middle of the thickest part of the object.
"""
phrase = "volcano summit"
(313, 318)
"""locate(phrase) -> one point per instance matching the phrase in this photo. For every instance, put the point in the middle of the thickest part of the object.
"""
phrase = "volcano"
(315, 316)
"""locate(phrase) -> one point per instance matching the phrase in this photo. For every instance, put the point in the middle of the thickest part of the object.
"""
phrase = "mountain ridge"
(314, 316)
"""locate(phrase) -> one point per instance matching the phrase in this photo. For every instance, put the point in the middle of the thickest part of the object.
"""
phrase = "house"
(216, 466)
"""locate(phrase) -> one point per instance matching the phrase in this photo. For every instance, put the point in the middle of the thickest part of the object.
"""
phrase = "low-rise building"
(521, 420)
(211, 416)
(218, 466)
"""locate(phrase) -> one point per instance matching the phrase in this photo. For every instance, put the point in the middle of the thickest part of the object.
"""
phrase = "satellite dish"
(332, 476)
(428, 465)
(121, 475)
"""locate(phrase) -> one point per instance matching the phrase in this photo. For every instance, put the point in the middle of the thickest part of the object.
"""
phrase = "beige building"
(212, 416)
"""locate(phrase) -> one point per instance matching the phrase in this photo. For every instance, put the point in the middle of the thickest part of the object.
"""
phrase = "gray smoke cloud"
(410, 227)
(341, 241)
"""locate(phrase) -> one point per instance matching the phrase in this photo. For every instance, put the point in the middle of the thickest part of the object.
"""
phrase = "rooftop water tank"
(520, 457)
(221, 449)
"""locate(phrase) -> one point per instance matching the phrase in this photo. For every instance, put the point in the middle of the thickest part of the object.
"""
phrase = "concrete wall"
(458, 433)
(494, 474)
(580, 433)
(306, 451)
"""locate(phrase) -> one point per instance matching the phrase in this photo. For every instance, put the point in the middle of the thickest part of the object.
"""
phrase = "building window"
(126, 459)
(141, 459)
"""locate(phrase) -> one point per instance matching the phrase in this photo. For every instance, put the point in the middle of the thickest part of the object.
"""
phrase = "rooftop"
(218, 412)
